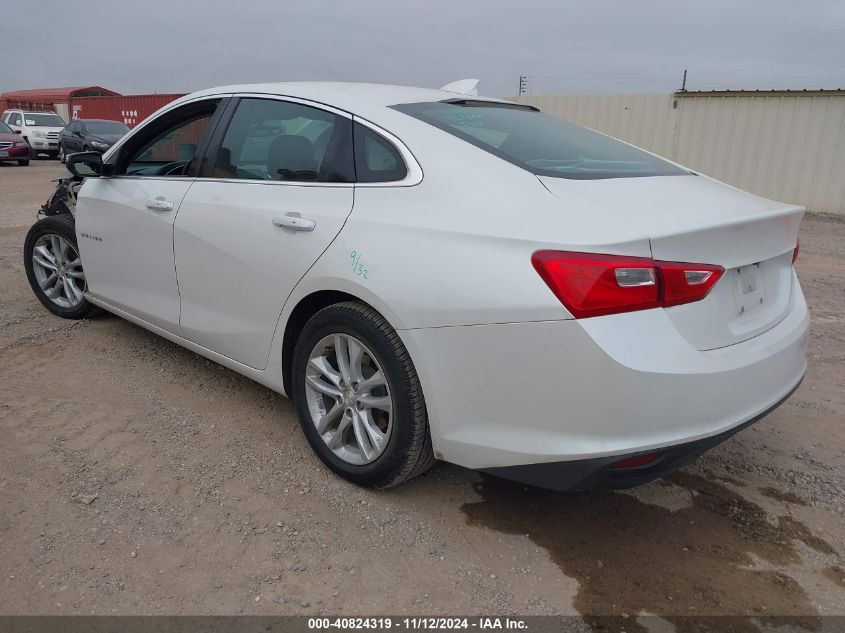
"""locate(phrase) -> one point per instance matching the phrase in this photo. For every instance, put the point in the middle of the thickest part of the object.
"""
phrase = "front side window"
(376, 159)
(542, 144)
(16, 119)
(45, 119)
(169, 145)
(269, 139)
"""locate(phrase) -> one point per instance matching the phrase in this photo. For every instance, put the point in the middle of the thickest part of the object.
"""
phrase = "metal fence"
(784, 145)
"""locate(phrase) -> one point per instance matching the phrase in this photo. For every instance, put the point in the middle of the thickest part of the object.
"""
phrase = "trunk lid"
(699, 220)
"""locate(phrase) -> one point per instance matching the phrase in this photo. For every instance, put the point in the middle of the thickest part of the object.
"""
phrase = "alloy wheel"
(349, 399)
(58, 270)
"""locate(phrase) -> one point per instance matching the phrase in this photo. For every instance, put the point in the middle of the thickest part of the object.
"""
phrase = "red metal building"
(46, 99)
(128, 109)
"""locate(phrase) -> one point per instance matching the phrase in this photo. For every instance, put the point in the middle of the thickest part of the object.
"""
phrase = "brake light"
(589, 284)
(795, 252)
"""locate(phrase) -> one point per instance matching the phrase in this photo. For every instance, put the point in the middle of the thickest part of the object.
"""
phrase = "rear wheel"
(54, 269)
(358, 397)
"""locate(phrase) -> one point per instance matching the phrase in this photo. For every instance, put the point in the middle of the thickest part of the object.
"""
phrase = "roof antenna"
(463, 86)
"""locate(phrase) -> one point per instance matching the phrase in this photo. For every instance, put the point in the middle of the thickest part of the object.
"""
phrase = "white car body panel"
(564, 390)
(509, 377)
(258, 264)
(127, 248)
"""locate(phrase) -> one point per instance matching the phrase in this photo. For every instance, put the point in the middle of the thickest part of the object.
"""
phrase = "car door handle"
(295, 222)
(159, 204)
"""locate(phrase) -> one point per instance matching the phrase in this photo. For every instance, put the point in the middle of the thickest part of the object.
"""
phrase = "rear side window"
(542, 144)
(46, 119)
(269, 139)
(376, 159)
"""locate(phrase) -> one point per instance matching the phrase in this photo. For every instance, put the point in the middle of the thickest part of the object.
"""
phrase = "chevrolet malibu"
(434, 275)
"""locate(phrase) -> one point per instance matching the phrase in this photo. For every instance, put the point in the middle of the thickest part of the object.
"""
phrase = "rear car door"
(277, 190)
(124, 223)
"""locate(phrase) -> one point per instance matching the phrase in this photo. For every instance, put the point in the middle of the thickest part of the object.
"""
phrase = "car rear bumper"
(546, 393)
(605, 472)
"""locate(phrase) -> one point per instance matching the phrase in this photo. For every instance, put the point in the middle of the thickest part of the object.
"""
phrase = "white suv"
(39, 129)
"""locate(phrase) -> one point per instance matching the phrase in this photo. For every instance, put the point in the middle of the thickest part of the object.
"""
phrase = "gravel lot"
(139, 478)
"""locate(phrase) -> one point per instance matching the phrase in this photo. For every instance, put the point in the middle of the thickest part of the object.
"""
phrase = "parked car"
(12, 146)
(39, 129)
(434, 275)
(89, 135)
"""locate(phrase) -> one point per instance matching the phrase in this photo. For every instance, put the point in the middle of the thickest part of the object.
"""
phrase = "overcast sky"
(565, 46)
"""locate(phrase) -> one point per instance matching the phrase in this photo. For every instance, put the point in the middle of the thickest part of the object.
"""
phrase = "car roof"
(357, 98)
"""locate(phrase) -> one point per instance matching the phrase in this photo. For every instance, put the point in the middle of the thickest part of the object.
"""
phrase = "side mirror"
(17, 131)
(85, 164)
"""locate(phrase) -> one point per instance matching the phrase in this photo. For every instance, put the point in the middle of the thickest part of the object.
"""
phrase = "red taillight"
(684, 283)
(795, 252)
(590, 285)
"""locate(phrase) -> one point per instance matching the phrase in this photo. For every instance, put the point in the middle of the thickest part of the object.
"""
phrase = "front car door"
(66, 137)
(73, 140)
(277, 190)
(124, 223)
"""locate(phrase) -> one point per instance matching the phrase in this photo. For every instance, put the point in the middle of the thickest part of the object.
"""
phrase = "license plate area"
(4, 153)
(749, 289)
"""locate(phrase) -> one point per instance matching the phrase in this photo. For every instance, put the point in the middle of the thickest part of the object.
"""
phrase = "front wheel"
(358, 397)
(23, 163)
(54, 269)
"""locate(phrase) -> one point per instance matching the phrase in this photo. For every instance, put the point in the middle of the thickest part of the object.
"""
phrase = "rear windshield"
(47, 120)
(542, 144)
(105, 127)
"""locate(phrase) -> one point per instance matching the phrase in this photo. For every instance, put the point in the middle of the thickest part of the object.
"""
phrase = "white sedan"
(434, 275)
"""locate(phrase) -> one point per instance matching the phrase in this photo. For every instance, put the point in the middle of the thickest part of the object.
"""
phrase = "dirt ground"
(139, 478)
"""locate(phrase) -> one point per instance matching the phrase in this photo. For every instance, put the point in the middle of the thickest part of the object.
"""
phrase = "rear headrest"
(291, 157)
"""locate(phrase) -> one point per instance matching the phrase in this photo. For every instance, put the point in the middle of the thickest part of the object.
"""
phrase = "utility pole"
(684, 82)
(523, 85)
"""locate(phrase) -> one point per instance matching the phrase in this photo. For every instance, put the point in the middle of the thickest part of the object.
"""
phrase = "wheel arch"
(309, 304)
(307, 307)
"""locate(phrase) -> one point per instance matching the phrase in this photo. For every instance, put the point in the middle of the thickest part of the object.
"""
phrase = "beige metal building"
(785, 145)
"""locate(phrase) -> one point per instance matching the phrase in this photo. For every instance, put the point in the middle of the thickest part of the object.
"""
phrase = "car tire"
(63, 303)
(407, 450)
(23, 163)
